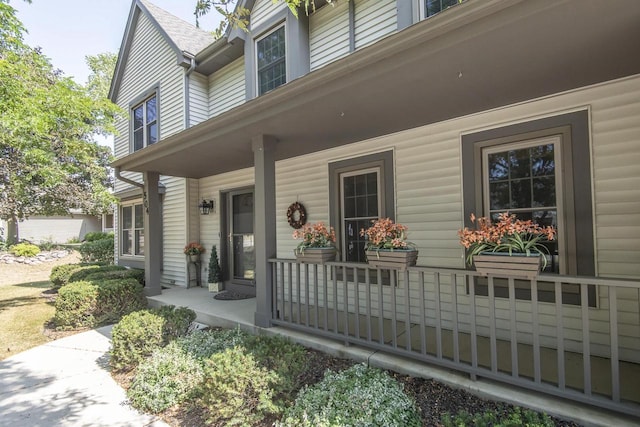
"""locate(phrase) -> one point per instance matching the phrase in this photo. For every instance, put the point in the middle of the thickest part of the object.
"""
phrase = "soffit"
(474, 57)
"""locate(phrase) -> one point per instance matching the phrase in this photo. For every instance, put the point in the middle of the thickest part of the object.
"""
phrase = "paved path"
(66, 383)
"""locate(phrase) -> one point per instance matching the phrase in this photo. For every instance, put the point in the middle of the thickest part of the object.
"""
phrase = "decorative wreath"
(296, 215)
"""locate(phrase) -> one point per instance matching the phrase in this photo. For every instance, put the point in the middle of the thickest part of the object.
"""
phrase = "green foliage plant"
(119, 273)
(513, 418)
(60, 274)
(138, 334)
(215, 272)
(277, 354)
(92, 236)
(236, 390)
(202, 344)
(358, 396)
(76, 305)
(170, 376)
(94, 303)
(94, 270)
(101, 250)
(25, 249)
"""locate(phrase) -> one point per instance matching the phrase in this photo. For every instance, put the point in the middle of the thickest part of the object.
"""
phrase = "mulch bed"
(231, 296)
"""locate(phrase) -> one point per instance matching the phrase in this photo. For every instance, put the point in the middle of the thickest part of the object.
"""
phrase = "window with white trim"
(271, 60)
(132, 229)
(144, 118)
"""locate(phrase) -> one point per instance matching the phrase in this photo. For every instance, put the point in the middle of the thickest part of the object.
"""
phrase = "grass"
(23, 315)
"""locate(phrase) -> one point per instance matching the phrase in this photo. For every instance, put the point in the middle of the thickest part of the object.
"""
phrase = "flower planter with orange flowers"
(504, 264)
(315, 255)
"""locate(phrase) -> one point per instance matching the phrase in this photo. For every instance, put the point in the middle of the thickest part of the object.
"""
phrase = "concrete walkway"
(66, 383)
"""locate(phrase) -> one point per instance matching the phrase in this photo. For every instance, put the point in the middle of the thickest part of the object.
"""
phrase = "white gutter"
(187, 73)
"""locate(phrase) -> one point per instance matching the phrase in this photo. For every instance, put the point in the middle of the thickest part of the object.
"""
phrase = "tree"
(238, 17)
(49, 162)
(102, 67)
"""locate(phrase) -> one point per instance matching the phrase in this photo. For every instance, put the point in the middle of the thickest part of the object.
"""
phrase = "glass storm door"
(243, 259)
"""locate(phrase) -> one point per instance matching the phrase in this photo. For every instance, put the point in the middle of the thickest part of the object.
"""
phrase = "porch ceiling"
(476, 56)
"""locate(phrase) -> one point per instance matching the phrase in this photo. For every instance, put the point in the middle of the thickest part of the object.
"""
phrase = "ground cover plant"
(227, 377)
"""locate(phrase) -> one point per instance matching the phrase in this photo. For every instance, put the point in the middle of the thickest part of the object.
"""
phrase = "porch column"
(265, 224)
(152, 234)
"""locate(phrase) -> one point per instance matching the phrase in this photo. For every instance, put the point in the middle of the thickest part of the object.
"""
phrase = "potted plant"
(510, 246)
(215, 272)
(193, 251)
(387, 245)
(318, 243)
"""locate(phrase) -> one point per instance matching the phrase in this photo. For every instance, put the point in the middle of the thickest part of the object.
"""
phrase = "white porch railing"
(574, 337)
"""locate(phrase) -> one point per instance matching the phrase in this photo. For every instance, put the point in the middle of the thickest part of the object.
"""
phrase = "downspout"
(127, 180)
(187, 73)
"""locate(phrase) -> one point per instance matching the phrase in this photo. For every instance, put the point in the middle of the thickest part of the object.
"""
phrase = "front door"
(242, 258)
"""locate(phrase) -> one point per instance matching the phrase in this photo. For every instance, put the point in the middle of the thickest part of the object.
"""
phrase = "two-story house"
(422, 111)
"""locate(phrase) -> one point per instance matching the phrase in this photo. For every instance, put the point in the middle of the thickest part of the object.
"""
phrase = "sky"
(68, 30)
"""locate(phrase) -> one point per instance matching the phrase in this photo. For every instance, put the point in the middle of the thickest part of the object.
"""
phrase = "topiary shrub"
(98, 250)
(170, 376)
(358, 396)
(92, 236)
(202, 344)
(25, 249)
(138, 334)
(288, 360)
(236, 390)
(76, 305)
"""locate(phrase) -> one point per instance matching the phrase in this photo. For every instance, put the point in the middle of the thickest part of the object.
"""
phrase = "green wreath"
(296, 215)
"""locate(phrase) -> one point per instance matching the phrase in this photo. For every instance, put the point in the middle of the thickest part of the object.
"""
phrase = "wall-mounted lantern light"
(207, 206)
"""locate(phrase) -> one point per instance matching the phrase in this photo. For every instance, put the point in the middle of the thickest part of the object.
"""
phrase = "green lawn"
(23, 314)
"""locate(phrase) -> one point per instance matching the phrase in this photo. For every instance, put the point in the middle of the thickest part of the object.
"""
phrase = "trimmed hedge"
(98, 250)
(98, 271)
(60, 274)
(106, 273)
(138, 334)
(92, 236)
(92, 303)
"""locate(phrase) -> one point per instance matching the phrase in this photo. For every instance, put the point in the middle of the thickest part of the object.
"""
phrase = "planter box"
(503, 264)
(397, 259)
(315, 255)
(215, 287)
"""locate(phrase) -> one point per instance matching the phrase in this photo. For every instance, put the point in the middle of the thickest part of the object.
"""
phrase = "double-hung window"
(145, 123)
(271, 60)
(132, 229)
(522, 179)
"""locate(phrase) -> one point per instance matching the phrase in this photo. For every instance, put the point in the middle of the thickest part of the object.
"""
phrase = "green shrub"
(97, 235)
(60, 274)
(98, 251)
(236, 390)
(25, 249)
(76, 305)
(95, 270)
(89, 303)
(278, 354)
(169, 377)
(47, 244)
(202, 344)
(111, 272)
(138, 334)
(358, 396)
(116, 298)
(512, 418)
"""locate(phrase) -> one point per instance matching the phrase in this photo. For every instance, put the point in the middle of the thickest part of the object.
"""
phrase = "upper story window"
(145, 123)
(272, 67)
(431, 7)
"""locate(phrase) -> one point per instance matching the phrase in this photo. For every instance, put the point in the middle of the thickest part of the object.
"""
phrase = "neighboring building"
(421, 107)
(58, 229)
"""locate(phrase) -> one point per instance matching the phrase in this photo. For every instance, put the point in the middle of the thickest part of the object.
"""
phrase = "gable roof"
(184, 38)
